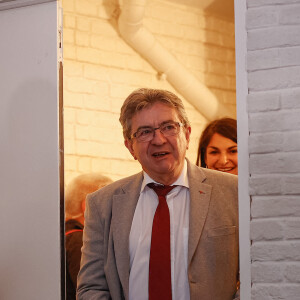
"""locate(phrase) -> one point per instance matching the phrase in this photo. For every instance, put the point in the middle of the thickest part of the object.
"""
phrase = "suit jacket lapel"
(200, 198)
(122, 214)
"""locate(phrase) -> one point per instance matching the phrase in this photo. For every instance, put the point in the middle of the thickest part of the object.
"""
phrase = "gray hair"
(77, 190)
(143, 98)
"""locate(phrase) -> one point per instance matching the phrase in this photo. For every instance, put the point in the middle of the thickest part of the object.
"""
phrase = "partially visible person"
(218, 149)
(75, 195)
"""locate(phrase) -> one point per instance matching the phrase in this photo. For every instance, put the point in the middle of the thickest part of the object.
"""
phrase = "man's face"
(162, 158)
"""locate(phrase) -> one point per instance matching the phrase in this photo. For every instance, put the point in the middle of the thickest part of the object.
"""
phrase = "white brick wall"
(100, 70)
(273, 64)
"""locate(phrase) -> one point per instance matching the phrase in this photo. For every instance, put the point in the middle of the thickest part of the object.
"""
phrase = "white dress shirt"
(178, 201)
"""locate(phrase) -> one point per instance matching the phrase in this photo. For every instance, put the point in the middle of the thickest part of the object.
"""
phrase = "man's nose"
(158, 137)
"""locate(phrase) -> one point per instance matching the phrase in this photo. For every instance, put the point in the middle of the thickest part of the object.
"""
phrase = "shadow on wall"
(221, 8)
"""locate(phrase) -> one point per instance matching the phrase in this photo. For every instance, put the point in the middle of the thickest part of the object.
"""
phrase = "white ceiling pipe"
(139, 38)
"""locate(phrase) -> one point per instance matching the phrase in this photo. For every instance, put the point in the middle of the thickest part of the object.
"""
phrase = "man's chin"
(160, 168)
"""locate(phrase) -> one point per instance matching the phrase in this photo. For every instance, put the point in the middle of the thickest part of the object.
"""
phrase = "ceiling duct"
(139, 38)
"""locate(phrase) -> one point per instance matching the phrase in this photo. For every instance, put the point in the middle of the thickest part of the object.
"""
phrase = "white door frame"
(243, 134)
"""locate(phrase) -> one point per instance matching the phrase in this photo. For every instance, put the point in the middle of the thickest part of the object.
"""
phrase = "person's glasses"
(146, 134)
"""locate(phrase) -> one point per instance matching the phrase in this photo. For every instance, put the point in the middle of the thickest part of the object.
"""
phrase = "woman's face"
(222, 154)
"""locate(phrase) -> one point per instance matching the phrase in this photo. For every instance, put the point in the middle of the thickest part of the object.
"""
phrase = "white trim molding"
(10, 4)
(243, 135)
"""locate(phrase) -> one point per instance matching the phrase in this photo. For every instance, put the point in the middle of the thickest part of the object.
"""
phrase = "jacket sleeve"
(91, 282)
(73, 256)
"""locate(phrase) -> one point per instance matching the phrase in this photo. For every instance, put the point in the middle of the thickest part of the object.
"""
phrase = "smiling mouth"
(160, 154)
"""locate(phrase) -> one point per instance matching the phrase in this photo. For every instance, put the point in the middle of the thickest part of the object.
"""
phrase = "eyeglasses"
(146, 134)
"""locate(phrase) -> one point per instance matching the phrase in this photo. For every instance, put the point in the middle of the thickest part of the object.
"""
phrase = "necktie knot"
(161, 190)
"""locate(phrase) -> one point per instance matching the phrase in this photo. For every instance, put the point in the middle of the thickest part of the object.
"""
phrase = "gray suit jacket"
(212, 246)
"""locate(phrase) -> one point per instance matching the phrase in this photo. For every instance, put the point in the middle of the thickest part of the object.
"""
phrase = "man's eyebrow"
(145, 126)
(168, 121)
(148, 126)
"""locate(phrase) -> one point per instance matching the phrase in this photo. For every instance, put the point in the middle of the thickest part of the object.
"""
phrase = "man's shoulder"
(220, 175)
(119, 186)
(211, 176)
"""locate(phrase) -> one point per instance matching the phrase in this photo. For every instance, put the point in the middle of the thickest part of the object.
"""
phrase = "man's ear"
(188, 131)
(128, 144)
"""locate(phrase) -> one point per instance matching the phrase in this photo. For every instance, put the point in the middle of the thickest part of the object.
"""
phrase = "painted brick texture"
(273, 64)
(100, 70)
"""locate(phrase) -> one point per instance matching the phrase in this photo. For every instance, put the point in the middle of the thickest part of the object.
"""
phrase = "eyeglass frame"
(179, 124)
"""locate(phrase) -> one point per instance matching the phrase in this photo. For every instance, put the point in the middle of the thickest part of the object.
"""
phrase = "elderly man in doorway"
(168, 232)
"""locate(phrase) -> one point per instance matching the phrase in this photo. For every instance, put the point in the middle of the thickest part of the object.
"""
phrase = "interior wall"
(30, 259)
(100, 70)
(273, 77)
(268, 90)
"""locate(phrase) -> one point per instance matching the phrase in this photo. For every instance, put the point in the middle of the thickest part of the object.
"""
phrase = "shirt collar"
(182, 180)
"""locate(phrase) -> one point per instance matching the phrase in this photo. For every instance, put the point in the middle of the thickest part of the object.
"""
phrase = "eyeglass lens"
(167, 129)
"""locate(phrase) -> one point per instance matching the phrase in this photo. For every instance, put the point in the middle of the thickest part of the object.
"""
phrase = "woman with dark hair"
(218, 146)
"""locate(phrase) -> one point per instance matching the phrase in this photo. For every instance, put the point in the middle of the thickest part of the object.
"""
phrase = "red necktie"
(160, 286)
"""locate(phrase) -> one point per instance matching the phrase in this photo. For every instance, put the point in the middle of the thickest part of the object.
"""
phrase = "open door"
(31, 206)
